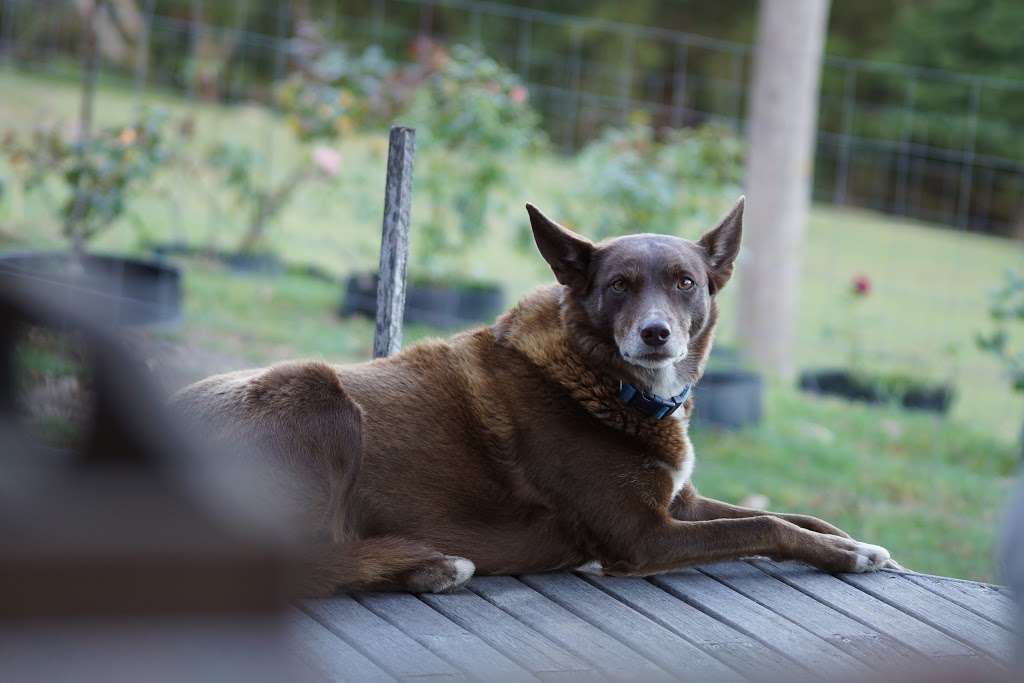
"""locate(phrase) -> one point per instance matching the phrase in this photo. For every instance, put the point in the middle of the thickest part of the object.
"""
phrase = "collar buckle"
(650, 404)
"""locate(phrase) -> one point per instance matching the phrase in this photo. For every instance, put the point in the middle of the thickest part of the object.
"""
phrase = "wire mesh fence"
(920, 143)
(917, 143)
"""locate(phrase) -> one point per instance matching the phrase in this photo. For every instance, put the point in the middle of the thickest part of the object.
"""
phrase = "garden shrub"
(631, 180)
(472, 117)
(97, 175)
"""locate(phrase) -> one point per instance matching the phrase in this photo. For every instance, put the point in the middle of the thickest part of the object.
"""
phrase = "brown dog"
(548, 441)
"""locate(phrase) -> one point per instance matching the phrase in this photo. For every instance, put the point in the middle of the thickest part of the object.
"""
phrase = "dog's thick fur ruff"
(506, 450)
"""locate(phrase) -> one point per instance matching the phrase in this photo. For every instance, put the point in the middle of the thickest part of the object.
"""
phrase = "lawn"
(928, 488)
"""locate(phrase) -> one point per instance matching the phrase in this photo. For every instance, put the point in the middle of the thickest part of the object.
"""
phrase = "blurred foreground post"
(138, 553)
(781, 125)
(394, 244)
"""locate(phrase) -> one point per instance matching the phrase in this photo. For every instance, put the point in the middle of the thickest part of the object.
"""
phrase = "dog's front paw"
(816, 525)
(870, 558)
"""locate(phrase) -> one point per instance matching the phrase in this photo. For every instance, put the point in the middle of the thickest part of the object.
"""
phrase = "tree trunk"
(781, 134)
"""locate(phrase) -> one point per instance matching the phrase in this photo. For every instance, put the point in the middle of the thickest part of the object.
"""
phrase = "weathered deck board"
(560, 625)
(987, 601)
(853, 637)
(431, 629)
(379, 641)
(933, 609)
(640, 634)
(741, 613)
(543, 658)
(753, 620)
(329, 656)
(865, 608)
(742, 653)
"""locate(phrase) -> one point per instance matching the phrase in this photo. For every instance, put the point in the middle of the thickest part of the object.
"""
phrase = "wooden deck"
(744, 620)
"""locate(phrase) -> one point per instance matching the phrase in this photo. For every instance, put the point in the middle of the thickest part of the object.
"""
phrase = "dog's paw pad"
(870, 558)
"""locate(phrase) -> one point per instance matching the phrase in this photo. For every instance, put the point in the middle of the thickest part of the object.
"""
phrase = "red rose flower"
(861, 285)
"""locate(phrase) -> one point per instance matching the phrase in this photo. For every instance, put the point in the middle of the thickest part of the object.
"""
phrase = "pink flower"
(491, 86)
(327, 160)
(861, 285)
(519, 94)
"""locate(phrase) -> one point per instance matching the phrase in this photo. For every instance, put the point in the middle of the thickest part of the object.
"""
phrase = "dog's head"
(650, 296)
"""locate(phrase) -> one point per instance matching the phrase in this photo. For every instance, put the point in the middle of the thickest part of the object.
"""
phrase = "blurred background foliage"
(227, 52)
(248, 127)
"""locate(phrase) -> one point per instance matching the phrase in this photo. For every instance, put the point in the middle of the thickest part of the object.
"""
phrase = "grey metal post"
(626, 75)
(846, 127)
(142, 57)
(679, 83)
(474, 30)
(736, 89)
(523, 49)
(903, 158)
(377, 20)
(195, 19)
(967, 160)
(394, 243)
(7, 37)
(572, 100)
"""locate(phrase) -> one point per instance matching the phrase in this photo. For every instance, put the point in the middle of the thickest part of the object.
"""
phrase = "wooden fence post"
(394, 244)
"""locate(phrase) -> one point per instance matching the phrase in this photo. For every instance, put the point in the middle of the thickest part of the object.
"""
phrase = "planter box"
(936, 399)
(479, 303)
(255, 263)
(728, 399)
(115, 290)
(442, 306)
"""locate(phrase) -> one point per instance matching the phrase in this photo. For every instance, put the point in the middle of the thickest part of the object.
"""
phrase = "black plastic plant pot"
(440, 305)
(481, 302)
(432, 304)
(935, 399)
(837, 383)
(728, 399)
(254, 263)
(114, 290)
(360, 295)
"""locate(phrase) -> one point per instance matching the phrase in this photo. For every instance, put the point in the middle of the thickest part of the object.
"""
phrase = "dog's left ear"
(567, 253)
(722, 244)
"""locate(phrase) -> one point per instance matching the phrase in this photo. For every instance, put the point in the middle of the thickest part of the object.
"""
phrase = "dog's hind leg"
(383, 564)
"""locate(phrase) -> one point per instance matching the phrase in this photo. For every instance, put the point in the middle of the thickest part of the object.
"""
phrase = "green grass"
(927, 489)
(930, 489)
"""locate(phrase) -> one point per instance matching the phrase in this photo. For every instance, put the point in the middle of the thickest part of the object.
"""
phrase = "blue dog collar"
(650, 404)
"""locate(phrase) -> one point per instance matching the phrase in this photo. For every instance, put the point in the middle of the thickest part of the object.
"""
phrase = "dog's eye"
(685, 284)
(619, 286)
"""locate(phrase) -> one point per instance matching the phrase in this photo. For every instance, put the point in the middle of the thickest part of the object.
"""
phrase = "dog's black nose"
(655, 332)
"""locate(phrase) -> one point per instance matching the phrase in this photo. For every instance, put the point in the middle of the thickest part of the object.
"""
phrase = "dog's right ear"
(567, 253)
